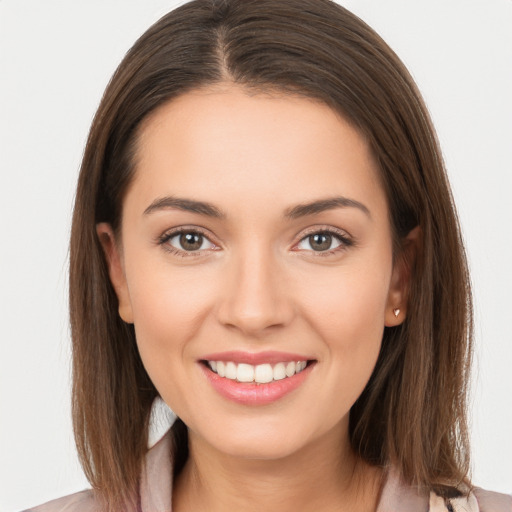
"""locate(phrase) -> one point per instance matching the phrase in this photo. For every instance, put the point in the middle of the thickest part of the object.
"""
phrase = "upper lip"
(255, 358)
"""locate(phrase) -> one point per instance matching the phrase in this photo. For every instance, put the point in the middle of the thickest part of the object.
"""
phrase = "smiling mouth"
(258, 374)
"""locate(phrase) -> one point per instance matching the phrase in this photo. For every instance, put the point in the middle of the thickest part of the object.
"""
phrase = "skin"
(257, 284)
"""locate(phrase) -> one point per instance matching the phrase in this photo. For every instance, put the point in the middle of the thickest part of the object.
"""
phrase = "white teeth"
(261, 373)
(290, 369)
(279, 371)
(245, 373)
(231, 370)
(299, 366)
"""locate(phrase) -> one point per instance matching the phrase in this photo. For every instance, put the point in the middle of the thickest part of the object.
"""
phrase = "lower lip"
(252, 393)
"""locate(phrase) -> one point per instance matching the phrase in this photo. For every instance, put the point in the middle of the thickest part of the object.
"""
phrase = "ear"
(115, 269)
(398, 297)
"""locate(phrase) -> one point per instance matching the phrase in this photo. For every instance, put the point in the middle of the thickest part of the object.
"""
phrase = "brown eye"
(320, 241)
(189, 241)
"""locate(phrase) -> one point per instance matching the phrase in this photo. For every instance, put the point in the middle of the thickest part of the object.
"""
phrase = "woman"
(264, 236)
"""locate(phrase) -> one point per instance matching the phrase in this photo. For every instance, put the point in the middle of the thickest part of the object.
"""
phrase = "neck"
(325, 475)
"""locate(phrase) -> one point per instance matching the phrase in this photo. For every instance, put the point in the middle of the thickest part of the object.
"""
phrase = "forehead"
(226, 143)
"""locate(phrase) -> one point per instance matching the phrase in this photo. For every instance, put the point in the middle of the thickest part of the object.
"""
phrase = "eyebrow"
(322, 205)
(187, 205)
(210, 210)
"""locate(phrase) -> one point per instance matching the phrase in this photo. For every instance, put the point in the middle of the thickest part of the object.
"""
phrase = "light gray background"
(55, 60)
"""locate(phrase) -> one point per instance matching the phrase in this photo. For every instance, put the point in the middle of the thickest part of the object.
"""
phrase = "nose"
(256, 299)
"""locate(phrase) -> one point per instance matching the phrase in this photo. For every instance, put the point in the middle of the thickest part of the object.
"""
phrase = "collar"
(157, 476)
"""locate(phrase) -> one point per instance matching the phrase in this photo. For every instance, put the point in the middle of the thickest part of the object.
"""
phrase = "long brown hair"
(412, 413)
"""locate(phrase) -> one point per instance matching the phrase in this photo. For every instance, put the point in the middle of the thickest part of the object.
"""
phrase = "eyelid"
(171, 233)
(346, 239)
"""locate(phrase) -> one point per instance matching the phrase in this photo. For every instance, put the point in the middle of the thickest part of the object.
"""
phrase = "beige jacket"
(156, 493)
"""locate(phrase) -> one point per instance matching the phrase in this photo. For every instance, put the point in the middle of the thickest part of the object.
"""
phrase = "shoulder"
(489, 501)
(479, 500)
(398, 496)
(83, 501)
(155, 488)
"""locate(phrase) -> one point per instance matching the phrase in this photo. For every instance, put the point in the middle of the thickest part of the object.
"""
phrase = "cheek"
(169, 309)
(348, 301)
(163, 296)
(347, 312)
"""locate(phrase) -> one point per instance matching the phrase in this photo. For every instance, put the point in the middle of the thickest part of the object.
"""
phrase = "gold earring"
(396, 312)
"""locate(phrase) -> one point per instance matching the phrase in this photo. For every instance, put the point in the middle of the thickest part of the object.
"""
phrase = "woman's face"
(255, 235)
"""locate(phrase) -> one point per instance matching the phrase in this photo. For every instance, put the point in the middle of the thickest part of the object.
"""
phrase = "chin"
(258, 440)
(261, 448)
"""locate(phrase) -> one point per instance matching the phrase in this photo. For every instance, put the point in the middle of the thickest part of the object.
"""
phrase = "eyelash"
(164, 239)
(345, 240)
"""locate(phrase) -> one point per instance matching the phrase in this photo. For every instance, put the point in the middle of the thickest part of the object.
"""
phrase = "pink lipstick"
(256, 378)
